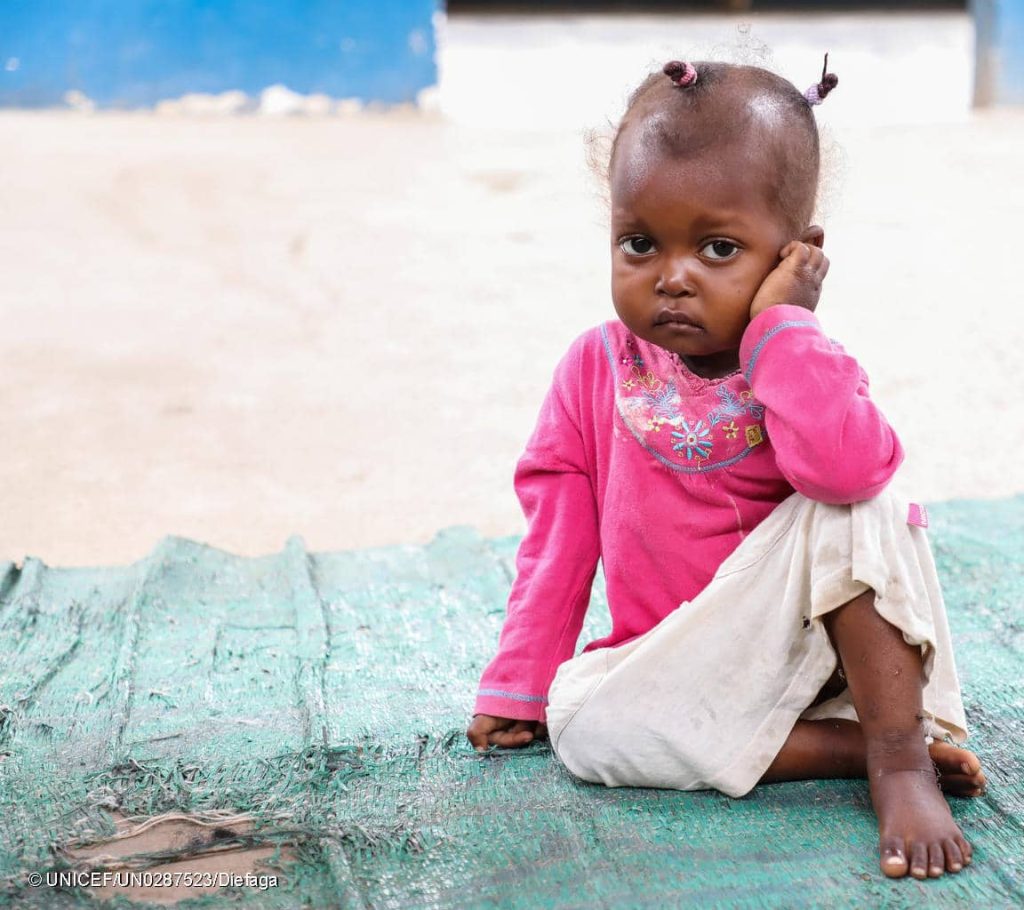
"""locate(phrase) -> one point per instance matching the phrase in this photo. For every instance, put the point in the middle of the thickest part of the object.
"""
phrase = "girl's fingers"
(510, 739)
(484, 728)
(486, 731)
(817, 261)
(801, 253)
(509, 732)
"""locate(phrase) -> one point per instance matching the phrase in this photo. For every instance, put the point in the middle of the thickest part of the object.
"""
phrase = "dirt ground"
(241, 328)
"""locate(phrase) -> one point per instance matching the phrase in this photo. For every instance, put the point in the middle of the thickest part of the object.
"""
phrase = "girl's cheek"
(743, 289)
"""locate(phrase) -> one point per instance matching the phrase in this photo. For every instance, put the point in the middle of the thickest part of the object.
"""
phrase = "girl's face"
(693, 238)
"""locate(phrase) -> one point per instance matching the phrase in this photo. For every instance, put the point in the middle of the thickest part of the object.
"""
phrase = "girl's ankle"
(895, 749)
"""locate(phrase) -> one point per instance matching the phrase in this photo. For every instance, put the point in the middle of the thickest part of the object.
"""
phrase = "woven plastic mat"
(327, 696)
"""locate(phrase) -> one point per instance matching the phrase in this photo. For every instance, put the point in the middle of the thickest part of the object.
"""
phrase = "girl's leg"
(834, 748)
(884, 673)
(722, 688)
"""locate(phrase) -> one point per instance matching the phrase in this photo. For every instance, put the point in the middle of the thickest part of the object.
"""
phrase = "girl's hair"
(687, 109)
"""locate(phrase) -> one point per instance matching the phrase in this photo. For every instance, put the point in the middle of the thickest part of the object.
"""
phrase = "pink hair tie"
(816, 93)
(682, 74)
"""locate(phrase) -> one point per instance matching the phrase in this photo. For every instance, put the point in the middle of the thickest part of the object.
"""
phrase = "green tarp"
(328, 694)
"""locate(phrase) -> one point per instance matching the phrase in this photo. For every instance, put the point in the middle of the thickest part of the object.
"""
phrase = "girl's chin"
(696, 345)
(700, 348)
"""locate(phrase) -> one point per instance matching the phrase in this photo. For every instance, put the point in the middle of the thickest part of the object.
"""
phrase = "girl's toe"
(936, 860)
(973, 763)
(894, 860)
(919, 860)
(958, 784)
(954, 858)
(965, 849)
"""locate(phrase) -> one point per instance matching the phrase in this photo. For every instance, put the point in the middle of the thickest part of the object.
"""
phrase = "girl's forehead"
(717, 178)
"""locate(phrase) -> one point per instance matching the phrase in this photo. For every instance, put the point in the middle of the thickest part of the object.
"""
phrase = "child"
(722, 458)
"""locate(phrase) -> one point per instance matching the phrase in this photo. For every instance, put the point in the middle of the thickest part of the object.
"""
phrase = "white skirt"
(707, 698)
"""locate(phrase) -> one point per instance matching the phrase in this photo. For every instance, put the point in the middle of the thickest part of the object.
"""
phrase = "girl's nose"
(675, 279)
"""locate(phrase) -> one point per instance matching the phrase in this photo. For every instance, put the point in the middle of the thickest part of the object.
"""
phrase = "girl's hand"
(508, 732)
(796, 280)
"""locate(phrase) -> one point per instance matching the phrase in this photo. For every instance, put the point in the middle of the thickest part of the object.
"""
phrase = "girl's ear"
(814, 235)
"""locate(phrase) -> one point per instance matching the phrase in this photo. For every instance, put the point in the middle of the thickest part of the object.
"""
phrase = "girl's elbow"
(845, 484)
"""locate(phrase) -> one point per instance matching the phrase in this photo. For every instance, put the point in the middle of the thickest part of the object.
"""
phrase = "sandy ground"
(238, 329)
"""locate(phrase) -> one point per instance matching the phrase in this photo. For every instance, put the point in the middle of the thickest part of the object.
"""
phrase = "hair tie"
(816, 93)
(682, 74)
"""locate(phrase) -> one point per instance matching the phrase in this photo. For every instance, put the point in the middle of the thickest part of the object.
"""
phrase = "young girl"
(721, 456)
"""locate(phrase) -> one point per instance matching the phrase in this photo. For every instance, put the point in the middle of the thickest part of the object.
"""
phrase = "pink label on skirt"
(918, 515)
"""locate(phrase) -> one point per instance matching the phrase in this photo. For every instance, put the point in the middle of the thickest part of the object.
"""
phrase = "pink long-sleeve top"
(659, 473)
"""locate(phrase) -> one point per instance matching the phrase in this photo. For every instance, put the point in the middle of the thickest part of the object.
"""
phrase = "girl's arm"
(831, 442)
(555, 563)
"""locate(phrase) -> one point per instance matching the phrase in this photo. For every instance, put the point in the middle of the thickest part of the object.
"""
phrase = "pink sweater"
(659, 473)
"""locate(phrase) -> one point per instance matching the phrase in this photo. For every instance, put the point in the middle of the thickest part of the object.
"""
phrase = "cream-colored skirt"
(707, 698)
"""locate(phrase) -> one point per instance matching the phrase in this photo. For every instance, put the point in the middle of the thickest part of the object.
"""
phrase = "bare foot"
(916, 830)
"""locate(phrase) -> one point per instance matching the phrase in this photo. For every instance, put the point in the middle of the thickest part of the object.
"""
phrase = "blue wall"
(130, 53)
(999, 27)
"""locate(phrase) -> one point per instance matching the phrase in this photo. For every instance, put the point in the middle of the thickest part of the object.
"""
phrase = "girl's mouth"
(682, 328)
(676, 320)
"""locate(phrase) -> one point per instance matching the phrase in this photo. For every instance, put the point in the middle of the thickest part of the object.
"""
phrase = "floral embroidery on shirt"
(693, 439)
(735, 406)
(647, 381)
(661, 401)
(707, 419)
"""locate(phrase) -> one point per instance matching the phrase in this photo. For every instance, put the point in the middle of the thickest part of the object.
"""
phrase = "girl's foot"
(916, 830)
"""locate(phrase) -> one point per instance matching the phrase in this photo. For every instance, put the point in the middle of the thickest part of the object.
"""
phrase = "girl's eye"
(636, 246)
(720, 249)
